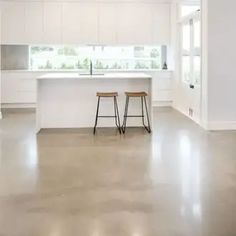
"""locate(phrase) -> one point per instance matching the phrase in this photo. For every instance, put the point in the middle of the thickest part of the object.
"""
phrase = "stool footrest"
(107, 116)
(134, 116)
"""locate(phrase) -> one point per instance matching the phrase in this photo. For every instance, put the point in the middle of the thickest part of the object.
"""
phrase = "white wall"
(221, 60)
(85, 22)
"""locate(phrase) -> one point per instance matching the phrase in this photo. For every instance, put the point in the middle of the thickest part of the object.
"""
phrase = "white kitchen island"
(68, 100)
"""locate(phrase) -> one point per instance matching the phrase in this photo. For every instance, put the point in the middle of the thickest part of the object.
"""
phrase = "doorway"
(189, 82)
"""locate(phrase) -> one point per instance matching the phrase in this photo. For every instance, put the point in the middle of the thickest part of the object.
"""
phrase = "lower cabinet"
(19, 88)
(162, 88)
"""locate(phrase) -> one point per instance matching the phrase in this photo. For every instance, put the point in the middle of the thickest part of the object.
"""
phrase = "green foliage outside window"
(103, 58)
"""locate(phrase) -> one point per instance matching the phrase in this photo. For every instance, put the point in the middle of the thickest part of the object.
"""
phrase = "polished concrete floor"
(179, 181)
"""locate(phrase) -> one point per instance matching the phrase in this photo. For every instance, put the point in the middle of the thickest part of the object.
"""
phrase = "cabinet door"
(80, 23)
(161, 24)
(107, 24)
(34, 22)
(13, 23)
(52, 22)
(18, 87)
(134, 23)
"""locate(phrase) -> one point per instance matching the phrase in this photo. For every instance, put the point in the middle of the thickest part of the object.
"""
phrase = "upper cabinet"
(134, 23)
(34, 22)
(13, 23)
(107, 23)
(161, 24)
(52, 22)
(80, 23)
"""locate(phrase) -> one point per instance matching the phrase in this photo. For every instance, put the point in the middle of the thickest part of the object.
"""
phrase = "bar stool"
(142, 96)
(116, 110)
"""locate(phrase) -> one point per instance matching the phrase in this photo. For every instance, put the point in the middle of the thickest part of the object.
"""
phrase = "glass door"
(191, 65)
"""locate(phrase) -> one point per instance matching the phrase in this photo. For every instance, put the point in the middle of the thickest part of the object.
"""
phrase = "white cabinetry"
(34, 22)
(161, 25)
(162, 88)
(80, 23)
(107, 23)
(52, 22)
(18, 87)
(134, 23)
(13, 23)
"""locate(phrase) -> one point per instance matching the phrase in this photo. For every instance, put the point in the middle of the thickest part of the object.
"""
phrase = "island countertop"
(95, 76)
(68, 100)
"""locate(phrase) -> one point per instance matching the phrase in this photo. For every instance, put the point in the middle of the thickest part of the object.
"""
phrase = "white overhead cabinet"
(161, 24)
(52, 22)
(134, 23)
(80, 23)
(107, 23)
(13, 23)
(34, 22)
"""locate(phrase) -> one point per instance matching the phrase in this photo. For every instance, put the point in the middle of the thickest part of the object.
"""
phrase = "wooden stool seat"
(110, 94)
(136, 94)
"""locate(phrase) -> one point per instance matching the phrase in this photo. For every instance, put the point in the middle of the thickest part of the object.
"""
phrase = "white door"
(191, 67)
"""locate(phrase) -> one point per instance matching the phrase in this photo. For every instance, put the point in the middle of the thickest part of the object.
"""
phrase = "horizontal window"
(102, 57)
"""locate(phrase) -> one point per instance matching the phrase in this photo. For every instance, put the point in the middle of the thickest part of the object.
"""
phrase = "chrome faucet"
(91, 68)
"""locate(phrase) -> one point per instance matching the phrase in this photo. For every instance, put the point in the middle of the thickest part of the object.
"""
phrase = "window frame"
(194, 51)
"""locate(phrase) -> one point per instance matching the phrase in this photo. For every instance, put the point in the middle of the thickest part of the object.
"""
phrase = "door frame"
(184, 85)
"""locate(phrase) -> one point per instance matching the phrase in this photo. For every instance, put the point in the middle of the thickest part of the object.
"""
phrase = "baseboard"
(201, 124)
(162, 104)
(225, 125)
(18, 105)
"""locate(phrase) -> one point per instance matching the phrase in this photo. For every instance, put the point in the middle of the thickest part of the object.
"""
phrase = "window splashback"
(102, 57)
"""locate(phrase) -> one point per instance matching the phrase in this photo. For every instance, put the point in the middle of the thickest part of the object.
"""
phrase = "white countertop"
(83, 71)
(99, 76)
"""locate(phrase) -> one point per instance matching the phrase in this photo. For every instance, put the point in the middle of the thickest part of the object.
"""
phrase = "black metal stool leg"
(125, 114)
(117, 115)
(142, 112)
(96, 119)
(149, 127)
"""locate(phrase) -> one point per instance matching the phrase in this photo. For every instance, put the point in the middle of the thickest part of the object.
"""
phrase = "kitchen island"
(68, 100)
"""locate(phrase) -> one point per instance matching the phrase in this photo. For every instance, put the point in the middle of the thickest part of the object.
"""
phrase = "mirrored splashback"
(14, 57)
